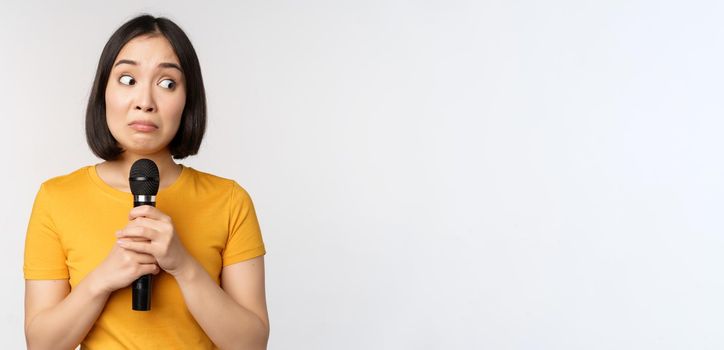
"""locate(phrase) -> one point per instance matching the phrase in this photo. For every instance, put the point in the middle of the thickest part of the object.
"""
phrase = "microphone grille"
(144, 178)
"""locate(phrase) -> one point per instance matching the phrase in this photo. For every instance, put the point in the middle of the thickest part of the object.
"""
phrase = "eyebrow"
(161, 65)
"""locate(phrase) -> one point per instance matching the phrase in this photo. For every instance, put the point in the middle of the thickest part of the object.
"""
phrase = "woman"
(85, 245)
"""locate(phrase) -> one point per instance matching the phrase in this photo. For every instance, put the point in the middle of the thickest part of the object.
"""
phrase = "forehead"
(148, 49)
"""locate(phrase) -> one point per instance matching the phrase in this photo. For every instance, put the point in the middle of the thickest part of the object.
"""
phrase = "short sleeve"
(245, 241)
(44, 255)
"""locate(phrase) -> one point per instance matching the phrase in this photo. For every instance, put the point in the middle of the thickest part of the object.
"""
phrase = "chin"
(143, 151)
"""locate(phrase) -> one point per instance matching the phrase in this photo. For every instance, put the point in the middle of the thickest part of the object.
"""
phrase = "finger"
(149, 212)
(142, 258)
(138, 247)
(137, 232)
(150, 223)
(136, 257)
(149, 269)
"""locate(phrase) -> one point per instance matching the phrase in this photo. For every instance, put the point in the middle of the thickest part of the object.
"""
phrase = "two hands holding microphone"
(147, 245)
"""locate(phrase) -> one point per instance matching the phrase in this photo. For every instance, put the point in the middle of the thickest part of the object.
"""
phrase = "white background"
(429, 174)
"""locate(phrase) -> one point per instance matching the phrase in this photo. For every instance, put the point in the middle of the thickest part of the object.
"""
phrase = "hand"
(121, 267)
(151, 232)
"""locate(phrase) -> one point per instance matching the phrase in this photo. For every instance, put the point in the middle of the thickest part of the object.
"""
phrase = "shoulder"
(63, 188)
(215, 183)
(67, 182)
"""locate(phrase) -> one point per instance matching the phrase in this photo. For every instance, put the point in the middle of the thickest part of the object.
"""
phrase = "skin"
(145, 97)
(142, 87)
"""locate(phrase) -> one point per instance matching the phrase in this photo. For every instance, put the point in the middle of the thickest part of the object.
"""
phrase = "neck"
(163, 160)
(115, 172)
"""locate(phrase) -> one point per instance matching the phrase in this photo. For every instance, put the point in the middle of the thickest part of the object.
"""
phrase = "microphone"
(144, 182)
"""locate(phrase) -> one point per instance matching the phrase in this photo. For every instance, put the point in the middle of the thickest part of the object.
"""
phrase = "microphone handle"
(141, 287)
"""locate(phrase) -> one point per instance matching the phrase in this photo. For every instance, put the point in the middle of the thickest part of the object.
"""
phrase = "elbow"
(258, 340)
(262, 337)
(36, 342)
(33, 344)
(30, 342)
(265, 332)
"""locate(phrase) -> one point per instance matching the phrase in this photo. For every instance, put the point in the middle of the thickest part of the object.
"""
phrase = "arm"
(234, 315)
(57, 317)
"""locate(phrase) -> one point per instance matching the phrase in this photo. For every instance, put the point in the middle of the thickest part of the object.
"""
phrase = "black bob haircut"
(191, 129)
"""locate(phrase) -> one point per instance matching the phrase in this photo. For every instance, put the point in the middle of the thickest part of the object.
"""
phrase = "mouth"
(143, 126)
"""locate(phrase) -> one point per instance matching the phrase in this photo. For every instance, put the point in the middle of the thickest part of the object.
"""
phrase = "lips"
(143, 126)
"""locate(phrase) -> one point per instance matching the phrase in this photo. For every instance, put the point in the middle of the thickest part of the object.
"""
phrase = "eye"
(127, 80)
(167, 84)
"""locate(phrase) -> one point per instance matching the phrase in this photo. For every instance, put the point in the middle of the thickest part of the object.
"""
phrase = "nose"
(145, 101)
(145, 108)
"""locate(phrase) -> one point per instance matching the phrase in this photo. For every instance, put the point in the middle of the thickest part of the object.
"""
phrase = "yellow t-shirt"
(72, 230)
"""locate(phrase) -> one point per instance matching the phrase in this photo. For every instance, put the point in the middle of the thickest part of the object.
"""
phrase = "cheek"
(114, 103)
(176, 108)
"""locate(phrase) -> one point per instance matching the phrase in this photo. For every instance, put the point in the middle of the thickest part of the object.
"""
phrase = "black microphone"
(144, 182)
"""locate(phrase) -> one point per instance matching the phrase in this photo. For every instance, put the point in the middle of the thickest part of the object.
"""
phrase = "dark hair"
(193, 119)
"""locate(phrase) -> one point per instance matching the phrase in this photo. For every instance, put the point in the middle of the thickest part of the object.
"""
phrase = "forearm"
(228, 324)
(66, 324)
